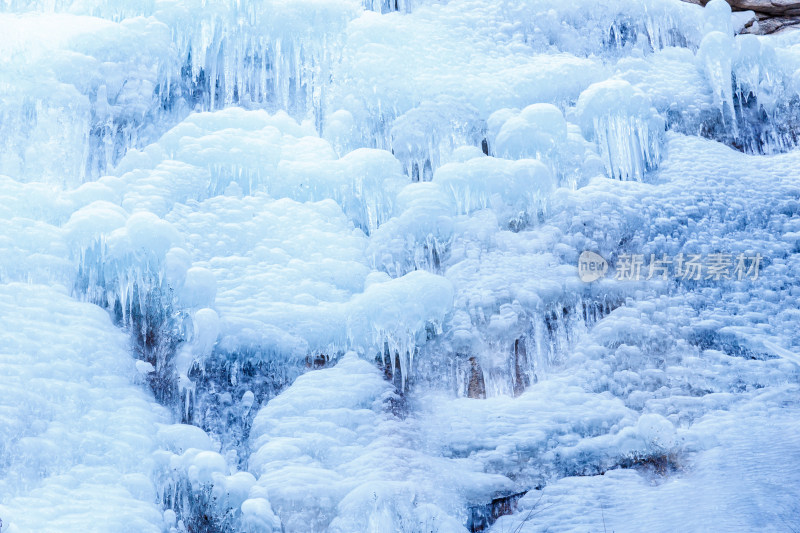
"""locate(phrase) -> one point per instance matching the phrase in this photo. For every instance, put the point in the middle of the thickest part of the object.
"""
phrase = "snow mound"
(77, 431)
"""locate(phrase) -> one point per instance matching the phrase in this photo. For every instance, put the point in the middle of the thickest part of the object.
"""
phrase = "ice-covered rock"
(341, 238)
(537, 131)
(716, 53)
(622, 121)
(203, 155)
(331, 455)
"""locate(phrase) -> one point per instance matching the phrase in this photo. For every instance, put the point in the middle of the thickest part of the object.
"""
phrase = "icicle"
(716, 52)
(623, 123)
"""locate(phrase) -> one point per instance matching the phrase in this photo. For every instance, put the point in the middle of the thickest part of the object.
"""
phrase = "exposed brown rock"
(393, 373)
(476, 387)
(521, 380)
(772, 15)
(317, 361)
(481, 517)
(766, 25)
(775, 8)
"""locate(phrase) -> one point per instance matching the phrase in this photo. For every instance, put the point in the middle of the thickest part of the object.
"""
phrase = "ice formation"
(305, 265)
(78, 434)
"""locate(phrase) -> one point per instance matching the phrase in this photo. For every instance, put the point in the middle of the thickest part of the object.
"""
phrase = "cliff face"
(770, 15)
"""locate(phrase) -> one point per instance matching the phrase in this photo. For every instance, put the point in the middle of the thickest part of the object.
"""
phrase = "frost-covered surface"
(77, 434)
(305, 265)
(745, 443)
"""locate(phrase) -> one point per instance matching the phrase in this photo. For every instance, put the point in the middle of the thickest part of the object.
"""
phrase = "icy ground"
(311, 265)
